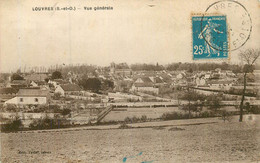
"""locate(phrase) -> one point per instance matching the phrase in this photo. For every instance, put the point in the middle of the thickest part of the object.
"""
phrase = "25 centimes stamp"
(238, 20)
(210, 37)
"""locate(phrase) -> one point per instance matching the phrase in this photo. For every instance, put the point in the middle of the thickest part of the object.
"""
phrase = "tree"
(107, 84)
(249, 57)
(12, 125)
(213, 102)
(225, 115)
(46, 80)
(16, 76)
(189, 94)
(56, 75)
(194, 107)
(57, 96)
(190, 70)
(65, 111)
(93, 84)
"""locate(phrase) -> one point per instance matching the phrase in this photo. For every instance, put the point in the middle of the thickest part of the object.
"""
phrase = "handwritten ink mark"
(147, 161)
(125, 158)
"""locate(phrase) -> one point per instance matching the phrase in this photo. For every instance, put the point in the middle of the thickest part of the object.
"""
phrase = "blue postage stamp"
(210, 37)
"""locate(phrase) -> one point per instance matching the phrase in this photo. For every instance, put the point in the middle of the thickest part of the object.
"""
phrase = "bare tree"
(249, 57)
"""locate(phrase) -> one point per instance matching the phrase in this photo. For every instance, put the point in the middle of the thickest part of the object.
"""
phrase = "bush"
(57, 96)
(144, 118)
(225, 115)
(207, 114)
(175, 115)
(135, 119)
(124, 126)
(178, 115)
(11, 108)
(49, 123)
(131, 120)
(254, 109)
(54, 107)
(40, 109)
(128, 120)
(13, 125)
(65, 111)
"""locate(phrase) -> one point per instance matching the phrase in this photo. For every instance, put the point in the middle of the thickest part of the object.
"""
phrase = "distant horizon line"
(60, 66)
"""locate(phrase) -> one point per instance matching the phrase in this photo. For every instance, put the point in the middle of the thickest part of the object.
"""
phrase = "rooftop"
(143, 84)
(8, 90)
(32, 92)
(70, 87)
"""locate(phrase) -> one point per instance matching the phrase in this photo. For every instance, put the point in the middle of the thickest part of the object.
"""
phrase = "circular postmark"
(238, 21)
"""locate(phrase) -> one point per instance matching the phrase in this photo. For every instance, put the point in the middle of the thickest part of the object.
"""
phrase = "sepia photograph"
(140, 81)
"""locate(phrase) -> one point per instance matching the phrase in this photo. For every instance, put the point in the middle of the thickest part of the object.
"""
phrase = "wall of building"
(146, 89)
(27, 100)
(32, 100)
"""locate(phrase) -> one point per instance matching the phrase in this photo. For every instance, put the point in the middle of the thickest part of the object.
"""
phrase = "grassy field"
(138, 112)
(170, 141)
(149, 112)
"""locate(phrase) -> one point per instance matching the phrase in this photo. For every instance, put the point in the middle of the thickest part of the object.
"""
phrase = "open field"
(170, 141)
(138, 112)
(149, 112)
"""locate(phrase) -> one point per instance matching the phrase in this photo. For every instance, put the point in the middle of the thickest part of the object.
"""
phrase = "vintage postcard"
(145, 81)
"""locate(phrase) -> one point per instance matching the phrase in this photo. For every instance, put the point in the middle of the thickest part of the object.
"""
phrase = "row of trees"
(83, 69)
(18, 76)
(78, 69)
(203, 66)
(188, 67)
(196, 101)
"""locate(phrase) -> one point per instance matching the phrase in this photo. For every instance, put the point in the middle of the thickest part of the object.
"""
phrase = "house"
(17, 84)
(218, 70)
(230, 73)
(166, 78)
(157, 80)
(181, 75)
(38, 83)
(30, 97)
(57, 82)
(144, 80)
(45, 87)
(218, 84)
(215, 76)
(144, 87)
(201, 81)
(67, 89)
(207, 76)
(120, 69)
(34, 84)
(144, 84)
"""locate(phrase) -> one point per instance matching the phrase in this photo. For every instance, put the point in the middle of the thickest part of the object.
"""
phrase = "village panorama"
(182, 112)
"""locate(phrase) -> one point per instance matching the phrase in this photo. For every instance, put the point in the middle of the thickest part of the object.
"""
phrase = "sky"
(137, 31)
